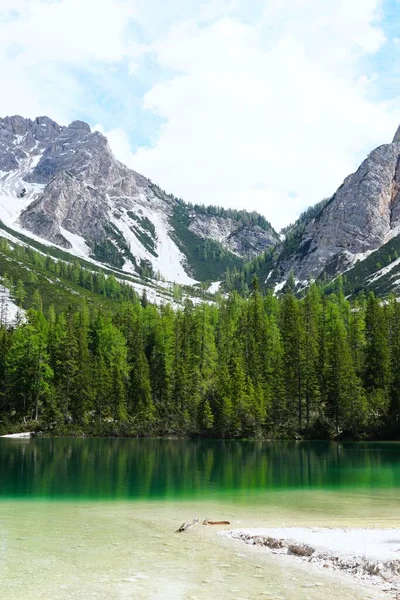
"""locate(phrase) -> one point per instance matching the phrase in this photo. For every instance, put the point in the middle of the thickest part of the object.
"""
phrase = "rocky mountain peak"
(23, 139)
(80, 126)
(397, 136)
(359, 218)
(16, 124)
(64, 185)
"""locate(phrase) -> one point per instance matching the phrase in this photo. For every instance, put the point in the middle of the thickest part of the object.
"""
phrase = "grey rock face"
(56, 181)
(80, 126)
(76, 186)
(241, 240)
(23, 138)
(83, 179)
(362, 215)
(397, 135)
(67, 203)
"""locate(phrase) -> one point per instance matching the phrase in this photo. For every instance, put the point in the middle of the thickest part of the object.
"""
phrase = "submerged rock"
(300, 549)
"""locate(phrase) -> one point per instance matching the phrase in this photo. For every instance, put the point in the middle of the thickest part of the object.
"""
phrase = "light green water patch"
(126, 551)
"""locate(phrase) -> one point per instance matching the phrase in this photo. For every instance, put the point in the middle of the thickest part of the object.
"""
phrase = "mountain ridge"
(64, 185)
(360, 217)
(338, 234)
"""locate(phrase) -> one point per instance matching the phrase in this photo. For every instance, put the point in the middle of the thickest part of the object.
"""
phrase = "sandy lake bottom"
(128, 550)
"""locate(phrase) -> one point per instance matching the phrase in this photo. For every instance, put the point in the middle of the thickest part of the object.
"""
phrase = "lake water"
(95, 518)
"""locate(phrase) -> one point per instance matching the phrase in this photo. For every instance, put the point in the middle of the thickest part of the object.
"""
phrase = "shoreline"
(371, 555)
(110, 430)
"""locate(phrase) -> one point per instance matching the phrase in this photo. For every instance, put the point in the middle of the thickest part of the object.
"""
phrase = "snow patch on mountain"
(166, 258)
(395, 231)
(360, 256)
(279, 287)
(214, 287)
(384, 271)
(269, 276)
(10, 313)
(17, 194)
(124, 226)
(78, 245)
(170, 259)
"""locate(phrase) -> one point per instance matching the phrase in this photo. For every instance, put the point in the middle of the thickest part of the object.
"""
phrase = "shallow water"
(96, 518)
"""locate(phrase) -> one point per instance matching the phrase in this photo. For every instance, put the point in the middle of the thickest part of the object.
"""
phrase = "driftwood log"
(186, 526)
(208, 522)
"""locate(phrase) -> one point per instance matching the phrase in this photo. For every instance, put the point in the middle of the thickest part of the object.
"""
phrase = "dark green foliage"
(364, 275)
(293, 245)
(207, 258)
(43, 281)
(266, 266)
(245, 218)
(113, 249)
(105, 251)
(146, 269)
(144, 222)
(61, 255)
(312, 212)
(147, 241)
(146, 237)
(261, 367)
(261, 266)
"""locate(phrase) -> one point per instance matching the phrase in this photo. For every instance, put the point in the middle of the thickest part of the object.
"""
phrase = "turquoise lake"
(95, 518)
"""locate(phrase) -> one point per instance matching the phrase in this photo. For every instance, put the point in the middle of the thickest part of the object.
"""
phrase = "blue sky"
(385, 63)
(258, 104)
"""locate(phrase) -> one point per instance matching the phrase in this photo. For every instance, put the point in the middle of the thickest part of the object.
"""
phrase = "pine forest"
(316, 367)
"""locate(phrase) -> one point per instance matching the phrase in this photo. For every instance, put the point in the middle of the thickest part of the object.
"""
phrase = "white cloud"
(265, 105)
(270, 116)
(68, 31)
(119, 143)
(47, 48)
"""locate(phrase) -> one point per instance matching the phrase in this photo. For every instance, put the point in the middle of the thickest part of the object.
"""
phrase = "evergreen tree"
(29, 371)
(82, 396)
(293, 359)
(394, 372)
(345, 397)
(311, 317)
(19, 293)
(377, 359)
(261, 366)
(140, 400)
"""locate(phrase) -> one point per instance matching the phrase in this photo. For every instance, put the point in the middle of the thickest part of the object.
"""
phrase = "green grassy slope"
(62, 279)
(207, 259)
(379, 272)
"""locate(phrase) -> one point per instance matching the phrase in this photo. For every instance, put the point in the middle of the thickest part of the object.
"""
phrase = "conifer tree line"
(318, 367)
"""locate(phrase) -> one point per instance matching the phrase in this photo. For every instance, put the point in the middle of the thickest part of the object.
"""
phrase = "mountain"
(359, 218)
(63, 193)
(356, 232)
(63, 186)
